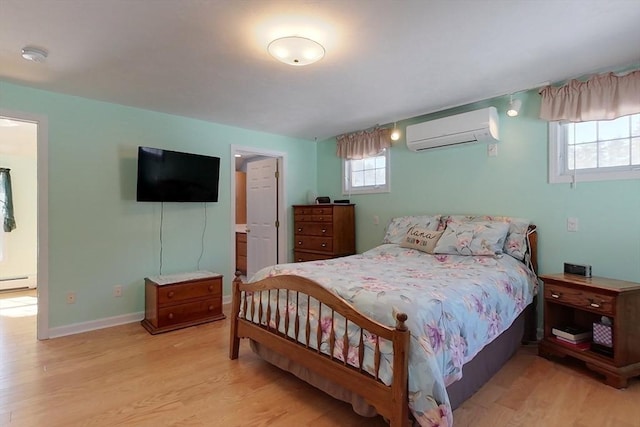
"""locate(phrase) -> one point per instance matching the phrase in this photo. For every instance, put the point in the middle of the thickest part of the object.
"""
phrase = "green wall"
(465, 180)
(99, 236)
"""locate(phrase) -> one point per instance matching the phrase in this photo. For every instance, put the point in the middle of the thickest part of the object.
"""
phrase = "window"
(368, 175)
(594, 151)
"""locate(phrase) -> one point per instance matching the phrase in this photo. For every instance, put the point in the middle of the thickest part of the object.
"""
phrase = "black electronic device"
(344, 201)
(323, 199)
(173, 176)
(579, 269)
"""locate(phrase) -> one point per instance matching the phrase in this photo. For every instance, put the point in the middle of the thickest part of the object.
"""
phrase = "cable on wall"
(204, 229)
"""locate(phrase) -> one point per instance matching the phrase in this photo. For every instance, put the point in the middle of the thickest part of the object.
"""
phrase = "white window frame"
(558, 167)
(371, 189)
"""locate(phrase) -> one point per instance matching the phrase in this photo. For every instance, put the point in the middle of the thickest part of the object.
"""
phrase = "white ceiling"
(385, 60)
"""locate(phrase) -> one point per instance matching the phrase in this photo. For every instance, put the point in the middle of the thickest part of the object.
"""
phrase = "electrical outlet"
(572, 224)
(492, 150)
(117, 291)
(376, 220)
(71, 297)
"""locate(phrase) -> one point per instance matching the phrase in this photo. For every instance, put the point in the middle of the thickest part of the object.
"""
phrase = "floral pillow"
(398, 227)
(421, 239)
(473, 238)
(516, 241)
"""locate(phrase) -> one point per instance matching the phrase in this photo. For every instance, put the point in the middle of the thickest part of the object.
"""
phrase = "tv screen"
(172, 176)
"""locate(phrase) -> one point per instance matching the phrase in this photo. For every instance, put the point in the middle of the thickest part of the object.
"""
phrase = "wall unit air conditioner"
(473, 126)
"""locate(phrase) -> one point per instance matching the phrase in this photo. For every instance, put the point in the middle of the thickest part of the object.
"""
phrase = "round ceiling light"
(296, 51)
(34, 54)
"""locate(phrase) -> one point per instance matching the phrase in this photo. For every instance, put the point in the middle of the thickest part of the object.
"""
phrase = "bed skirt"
(475, 373)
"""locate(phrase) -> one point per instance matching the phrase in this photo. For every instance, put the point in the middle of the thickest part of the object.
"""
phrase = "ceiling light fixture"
(514, 106)
(395, 133)
(35, 54)
(296, 51)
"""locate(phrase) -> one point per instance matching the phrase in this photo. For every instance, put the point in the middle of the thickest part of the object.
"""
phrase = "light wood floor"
(124, 376)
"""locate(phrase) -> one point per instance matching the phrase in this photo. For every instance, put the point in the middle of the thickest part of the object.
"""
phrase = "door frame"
(42, 261)
(283, 230)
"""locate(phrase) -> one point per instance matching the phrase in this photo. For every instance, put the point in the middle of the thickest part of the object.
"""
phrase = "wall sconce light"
(514, 106)
(296, 51)
(395, 133)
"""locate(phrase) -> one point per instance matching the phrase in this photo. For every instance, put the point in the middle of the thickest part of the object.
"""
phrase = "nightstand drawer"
(604, 304)
(177, 293)
(193, 311)
(314, 229)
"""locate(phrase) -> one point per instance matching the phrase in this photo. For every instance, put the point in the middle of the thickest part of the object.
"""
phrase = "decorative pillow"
(473, 238)
(398, 227)
(516, 241)
(421, 239)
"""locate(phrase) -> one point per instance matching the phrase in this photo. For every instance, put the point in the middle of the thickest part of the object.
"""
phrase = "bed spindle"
(253, 307)
(286, 316)
(297, 327)
(361, 351)
(332, 336)
(268, 322)
(345, 341)
(376, 358)
(277, 310)
(307, 331)
(319, 328)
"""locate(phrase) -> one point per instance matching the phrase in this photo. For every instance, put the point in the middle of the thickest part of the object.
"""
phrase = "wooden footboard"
(254, 316)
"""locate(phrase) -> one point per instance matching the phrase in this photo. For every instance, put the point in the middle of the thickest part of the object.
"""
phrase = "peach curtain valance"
(602, 97)
(366, 143)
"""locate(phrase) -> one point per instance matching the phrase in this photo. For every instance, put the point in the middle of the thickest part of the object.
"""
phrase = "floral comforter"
(455, 305)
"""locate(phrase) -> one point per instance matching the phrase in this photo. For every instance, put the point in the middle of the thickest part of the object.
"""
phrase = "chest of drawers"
(174, 302)
(582, 301)
(323, 231)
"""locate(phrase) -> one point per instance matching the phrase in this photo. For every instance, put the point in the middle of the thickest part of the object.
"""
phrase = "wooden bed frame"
(390, 401)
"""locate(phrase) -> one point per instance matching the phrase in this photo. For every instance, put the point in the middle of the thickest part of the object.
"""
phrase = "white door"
(262, 214)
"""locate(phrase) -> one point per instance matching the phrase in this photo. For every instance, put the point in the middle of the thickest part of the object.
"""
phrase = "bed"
(398, 331)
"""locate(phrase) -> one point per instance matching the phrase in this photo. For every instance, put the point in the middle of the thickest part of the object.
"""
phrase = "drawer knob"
(300, 230)
(324, 245)
(556, 295)
(299, 259)
(299, 242)
(321, 218)
(210, 288)
(324, 230)
(170, 294)
(210, 308)
(170, 316)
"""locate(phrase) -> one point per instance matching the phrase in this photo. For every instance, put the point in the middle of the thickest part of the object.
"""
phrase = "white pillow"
(473, 238)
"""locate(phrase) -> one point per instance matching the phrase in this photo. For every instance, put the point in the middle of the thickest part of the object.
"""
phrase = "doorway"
(264, 230)
(24, 149)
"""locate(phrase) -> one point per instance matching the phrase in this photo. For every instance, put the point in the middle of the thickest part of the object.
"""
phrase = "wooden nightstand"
(582, 301)
(181, 300)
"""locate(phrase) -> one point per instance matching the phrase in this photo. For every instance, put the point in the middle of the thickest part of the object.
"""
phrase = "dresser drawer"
(193, 311)
(187, 291)
(314, 229)
(302, 210)
(241, 237)
(314, 243)
(322, 211)
(322, 218)
(306, 256)
(578, 298)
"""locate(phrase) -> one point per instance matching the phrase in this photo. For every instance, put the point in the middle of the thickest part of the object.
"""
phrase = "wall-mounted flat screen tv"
(172, 176)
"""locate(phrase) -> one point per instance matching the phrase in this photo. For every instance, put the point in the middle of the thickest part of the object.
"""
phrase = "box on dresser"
(323, 231)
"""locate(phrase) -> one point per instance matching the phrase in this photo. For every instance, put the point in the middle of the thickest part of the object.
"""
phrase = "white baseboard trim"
(226, 299)
(92, 325)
